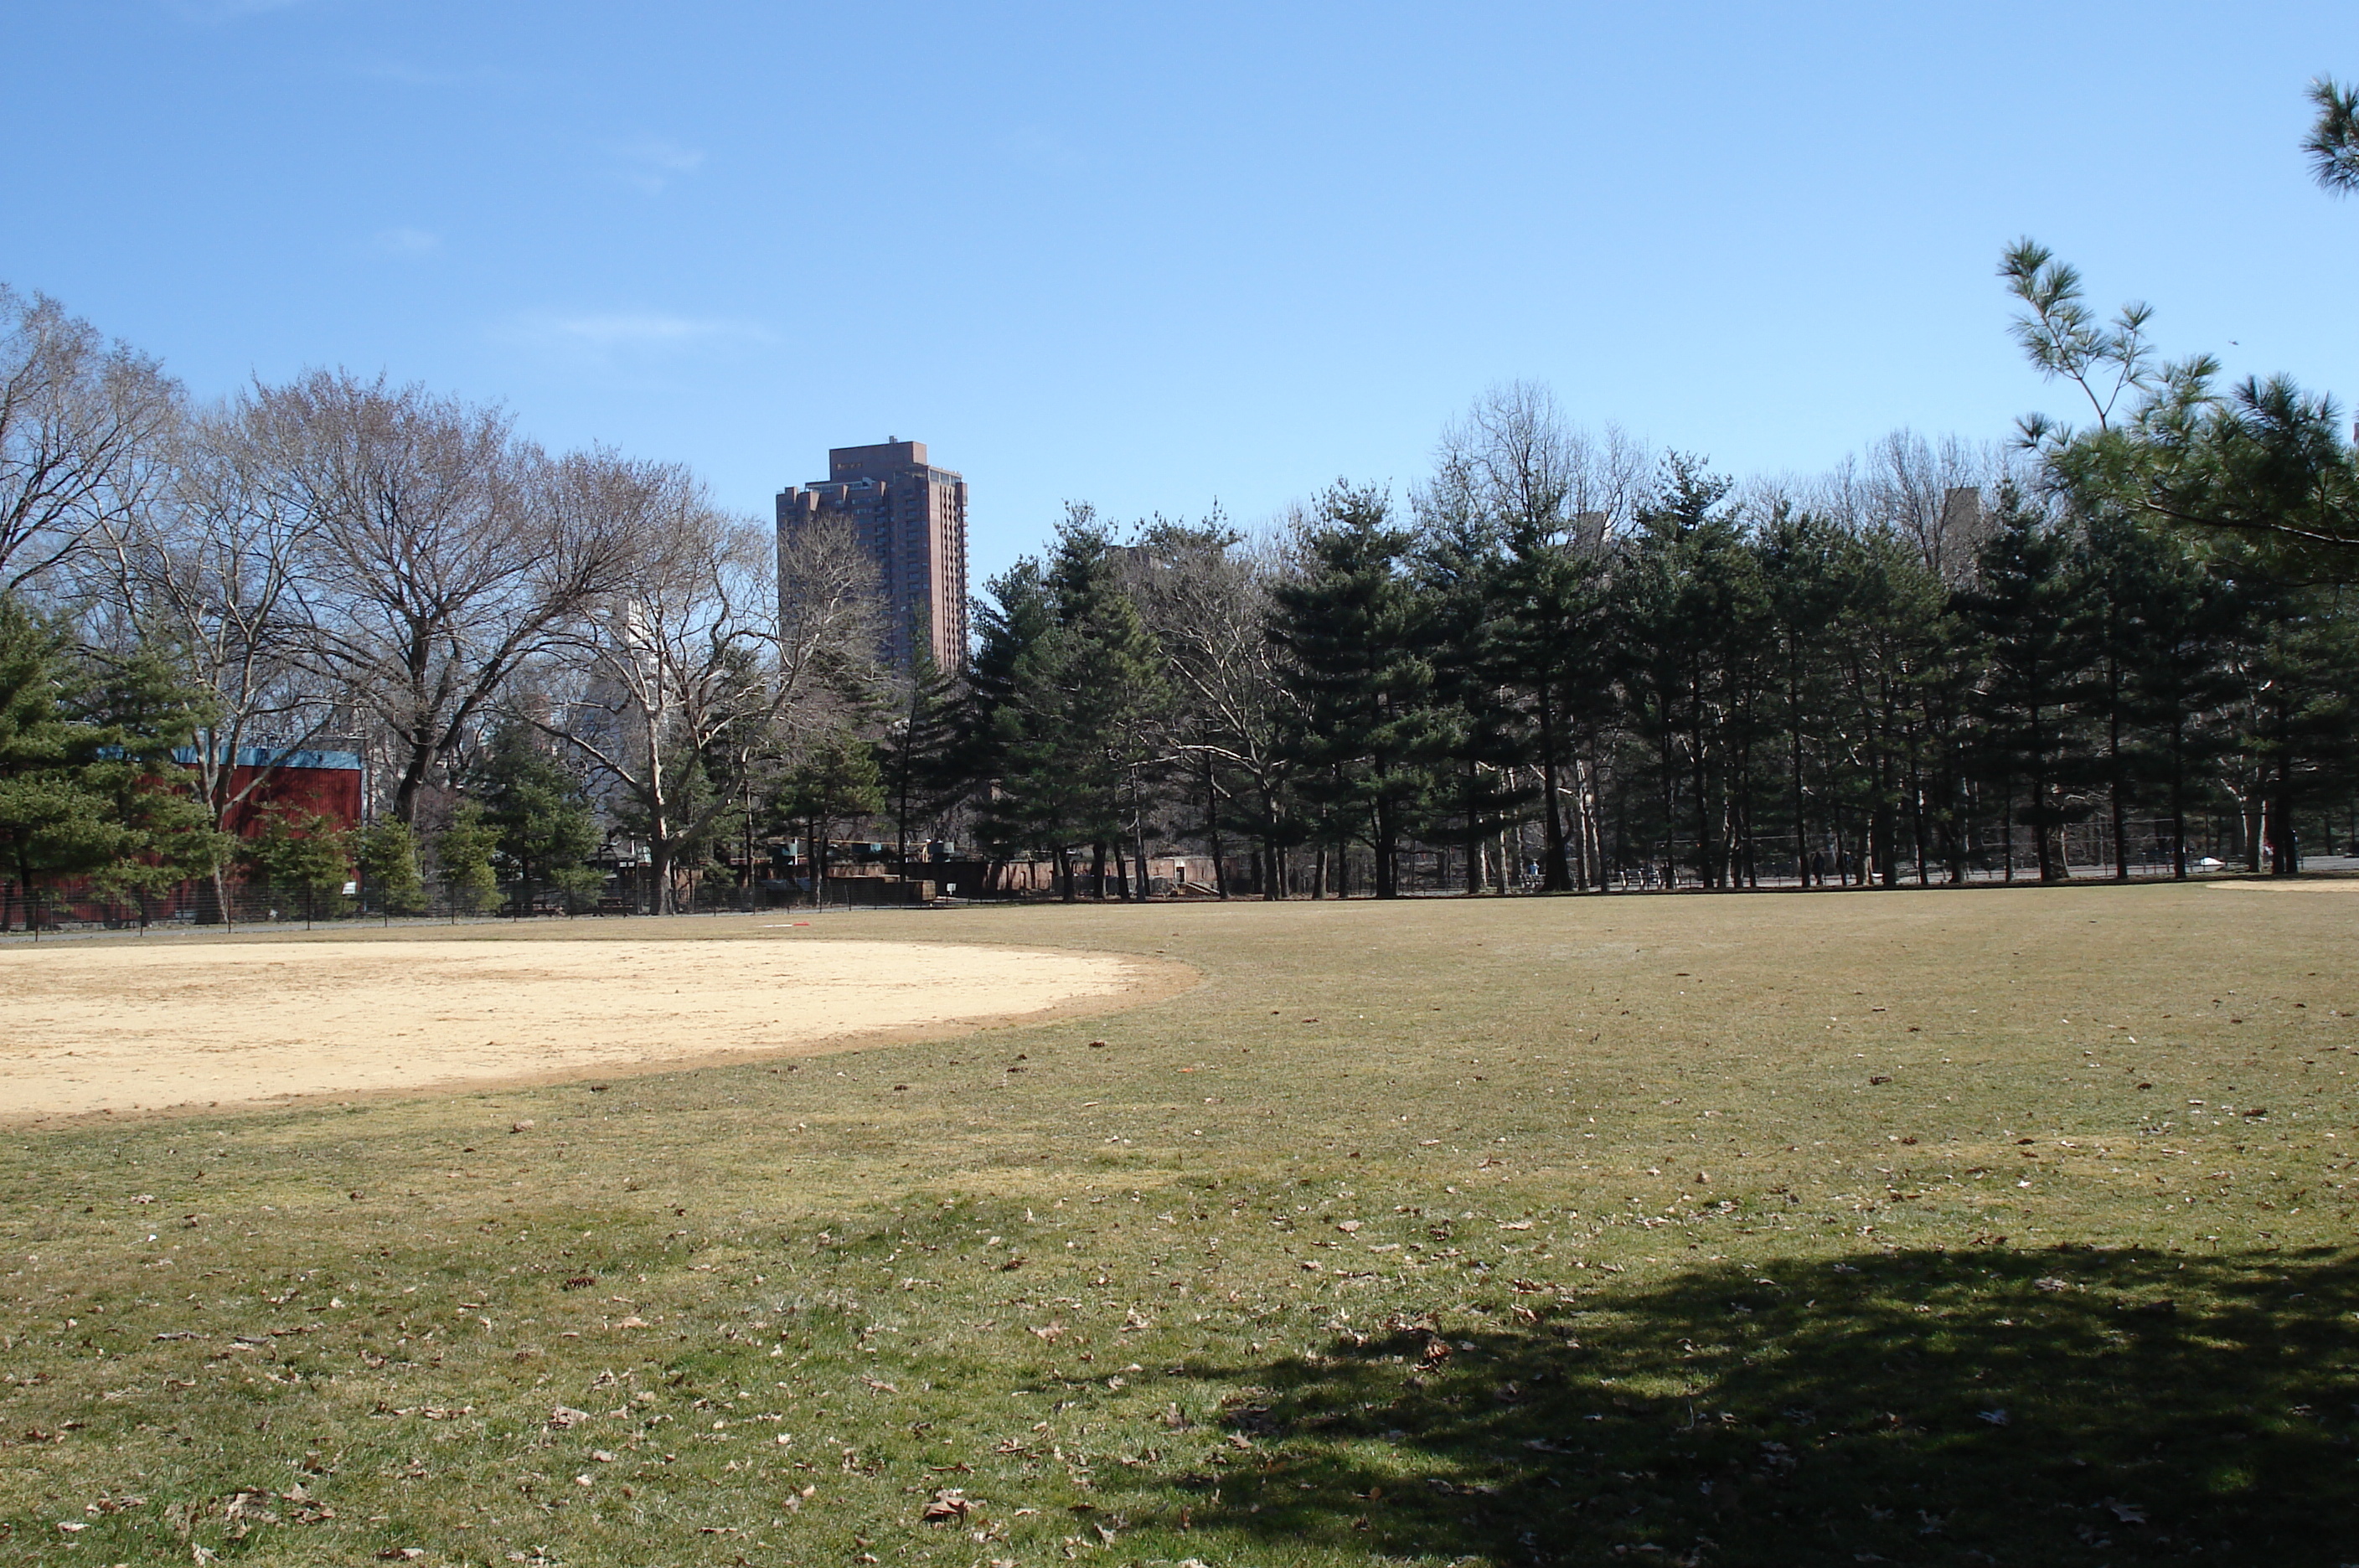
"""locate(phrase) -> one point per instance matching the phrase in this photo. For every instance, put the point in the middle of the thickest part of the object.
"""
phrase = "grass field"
(1998, 1227)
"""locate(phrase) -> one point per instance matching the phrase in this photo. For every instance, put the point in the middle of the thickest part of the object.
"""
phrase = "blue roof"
(272, 757)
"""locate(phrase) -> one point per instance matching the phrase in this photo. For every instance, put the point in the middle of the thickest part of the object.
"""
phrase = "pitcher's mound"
(110, 1026)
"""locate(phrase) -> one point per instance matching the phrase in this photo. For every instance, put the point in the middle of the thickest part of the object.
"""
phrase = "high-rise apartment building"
(911, 518)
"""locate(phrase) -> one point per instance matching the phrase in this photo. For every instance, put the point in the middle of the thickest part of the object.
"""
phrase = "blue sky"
(1154, 257)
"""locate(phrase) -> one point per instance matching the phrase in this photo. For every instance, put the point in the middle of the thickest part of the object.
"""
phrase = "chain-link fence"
(205, 905)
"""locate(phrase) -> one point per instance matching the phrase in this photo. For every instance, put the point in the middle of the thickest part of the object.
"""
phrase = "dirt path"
(111, 1025)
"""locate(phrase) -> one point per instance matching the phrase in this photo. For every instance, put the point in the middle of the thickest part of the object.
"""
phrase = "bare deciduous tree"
(1513, 461)
(830, 631)
(1934, 495)
(207, 569)
(674, 687)
(440, 553)
(1202, 592)
(82, 424)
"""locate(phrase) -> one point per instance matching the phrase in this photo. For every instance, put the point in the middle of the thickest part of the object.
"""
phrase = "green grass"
(1906, 1227)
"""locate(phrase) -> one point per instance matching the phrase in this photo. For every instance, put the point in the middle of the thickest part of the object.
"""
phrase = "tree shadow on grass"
(1985, 1407)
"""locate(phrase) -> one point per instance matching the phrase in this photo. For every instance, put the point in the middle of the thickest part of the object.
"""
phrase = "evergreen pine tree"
(1691, 607)
(836, 785)
(1554, 649)
(2035, 643)
(1460, 563)
(467, 850)
(920, 754)
(386, 851)
(1350, 625)
(539, 808)
(299, 854)
(88, 787)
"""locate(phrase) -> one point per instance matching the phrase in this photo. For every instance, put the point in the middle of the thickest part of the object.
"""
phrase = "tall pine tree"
(1350, 625)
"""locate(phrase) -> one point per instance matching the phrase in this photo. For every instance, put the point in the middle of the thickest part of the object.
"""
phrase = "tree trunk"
(2041, 818)
(1213, 831)
(1473, 828)
(658, 867)
(2284, 852)
(2178, 798)
(1883, 829)
(1555, 875)
(1794, 768)
(2113, 762)
(2006, 831)
(1699, 780)
(1601, 862)
(1139, 829)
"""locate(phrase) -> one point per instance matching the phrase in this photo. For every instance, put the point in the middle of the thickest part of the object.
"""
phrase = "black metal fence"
(202, 904)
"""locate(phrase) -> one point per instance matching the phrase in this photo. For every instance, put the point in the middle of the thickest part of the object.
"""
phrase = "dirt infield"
(122, 1027)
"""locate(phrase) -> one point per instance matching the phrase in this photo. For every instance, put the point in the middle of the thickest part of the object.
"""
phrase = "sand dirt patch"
(110, 1026)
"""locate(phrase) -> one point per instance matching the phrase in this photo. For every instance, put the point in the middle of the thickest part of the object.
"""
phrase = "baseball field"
(2001, 1226)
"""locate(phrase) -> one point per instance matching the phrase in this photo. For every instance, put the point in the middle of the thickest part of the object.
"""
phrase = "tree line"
(1556, 662)
(533, 650)
(1566, 663)
(1559, 662)
(1682, 684)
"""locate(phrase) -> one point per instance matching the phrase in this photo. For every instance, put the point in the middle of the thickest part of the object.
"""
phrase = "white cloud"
(405, 242)
(653, 162)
